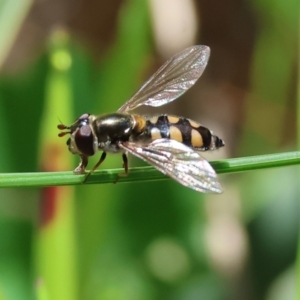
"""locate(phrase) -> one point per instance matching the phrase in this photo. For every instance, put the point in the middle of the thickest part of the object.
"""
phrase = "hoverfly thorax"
(82, 140)
(113, 127)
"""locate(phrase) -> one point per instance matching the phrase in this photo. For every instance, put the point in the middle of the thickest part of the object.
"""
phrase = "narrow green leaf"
(144, 173)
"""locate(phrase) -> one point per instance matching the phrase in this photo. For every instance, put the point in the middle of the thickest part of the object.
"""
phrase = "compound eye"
(84, 140)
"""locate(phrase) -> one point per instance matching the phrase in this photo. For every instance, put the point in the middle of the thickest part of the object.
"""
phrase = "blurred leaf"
(12, 14)
(18, 94)
(56, 255)
(16, 270)
(273, 72)
(120, 73)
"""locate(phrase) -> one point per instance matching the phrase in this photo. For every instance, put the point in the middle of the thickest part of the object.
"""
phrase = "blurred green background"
(152, 240)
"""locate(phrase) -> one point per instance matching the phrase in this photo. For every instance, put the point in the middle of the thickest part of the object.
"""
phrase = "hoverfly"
(169, 143)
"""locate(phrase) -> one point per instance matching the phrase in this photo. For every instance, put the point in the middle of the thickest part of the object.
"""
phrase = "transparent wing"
(172, 79)
(179, 162)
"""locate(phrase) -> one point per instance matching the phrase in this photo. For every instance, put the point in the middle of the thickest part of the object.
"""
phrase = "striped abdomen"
(182, 130)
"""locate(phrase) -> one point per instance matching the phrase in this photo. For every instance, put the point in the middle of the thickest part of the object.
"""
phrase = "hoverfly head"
(82, 139)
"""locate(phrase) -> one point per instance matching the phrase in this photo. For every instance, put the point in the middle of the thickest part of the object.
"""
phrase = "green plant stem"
(144, 173)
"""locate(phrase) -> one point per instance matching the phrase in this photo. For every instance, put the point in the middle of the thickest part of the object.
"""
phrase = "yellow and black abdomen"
(183, 130)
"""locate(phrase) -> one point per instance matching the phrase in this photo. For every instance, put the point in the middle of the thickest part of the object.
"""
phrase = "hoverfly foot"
(79, 170)
(86, 177)
(125, 166)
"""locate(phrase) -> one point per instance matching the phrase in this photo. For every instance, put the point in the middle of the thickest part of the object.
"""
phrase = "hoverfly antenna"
(62, 127)
(61, 134)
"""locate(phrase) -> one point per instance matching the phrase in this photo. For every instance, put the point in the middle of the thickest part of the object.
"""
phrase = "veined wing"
(172, 79)
(179, 162)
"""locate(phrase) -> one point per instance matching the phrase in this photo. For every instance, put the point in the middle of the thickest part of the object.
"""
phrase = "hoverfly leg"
(102, 158)
(125, 166)
(81, 167)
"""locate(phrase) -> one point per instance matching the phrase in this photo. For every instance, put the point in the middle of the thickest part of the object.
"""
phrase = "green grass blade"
(232, 165)
(249, 163)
